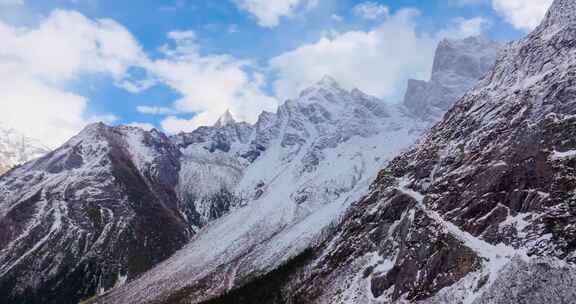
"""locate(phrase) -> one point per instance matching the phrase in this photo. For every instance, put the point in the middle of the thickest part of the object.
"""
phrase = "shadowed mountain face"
(95, 216)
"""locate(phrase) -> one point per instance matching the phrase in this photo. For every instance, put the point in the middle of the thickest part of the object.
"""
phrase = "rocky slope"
(90, 215)
(308, 163)
(113, 202)
(480, 211)
(16, 149)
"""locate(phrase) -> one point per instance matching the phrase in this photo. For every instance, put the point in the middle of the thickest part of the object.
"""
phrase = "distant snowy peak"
(333, 98)
(320, 90)
(328, 81)
(458, 65)
(16, 148)
(94, 148)
(225, 119)
(470, 58)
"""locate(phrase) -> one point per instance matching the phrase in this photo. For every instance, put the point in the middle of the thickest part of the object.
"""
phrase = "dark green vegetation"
(267, 289)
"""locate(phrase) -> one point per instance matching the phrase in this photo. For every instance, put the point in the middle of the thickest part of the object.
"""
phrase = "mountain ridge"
(251, 194)
(479, 211)
(271, 229)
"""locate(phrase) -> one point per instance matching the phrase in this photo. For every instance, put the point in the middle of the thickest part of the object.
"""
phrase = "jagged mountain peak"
(93, 132)
(328, 81)
(100, 132)
(463, 56)
(458, 65)
(102, 129)
(225, 120)
(325, 85)
(360, 94)
(329, 92)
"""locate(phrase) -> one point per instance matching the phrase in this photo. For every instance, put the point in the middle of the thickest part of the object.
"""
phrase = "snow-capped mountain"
(317, 155)
(99, 210)
(111, 203)
(480, 211)
(16, 149)
(295, 174)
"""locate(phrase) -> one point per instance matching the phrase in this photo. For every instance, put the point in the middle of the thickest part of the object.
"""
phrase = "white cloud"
(175, 125)
(38, 64)
(71, 44)
(106, 118)
(378, 61)
(182, 36)
(135, 85)
(142, 125)
(209, 84)
(233, 28)
(152, 110)
(40, 111)
(469, 2)
(269, 12)
(35, 81)
(336, 18)
(522, 14)
(371, 10)
(462, 28)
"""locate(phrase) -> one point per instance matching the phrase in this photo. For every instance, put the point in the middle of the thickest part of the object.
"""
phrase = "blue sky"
(177, 64)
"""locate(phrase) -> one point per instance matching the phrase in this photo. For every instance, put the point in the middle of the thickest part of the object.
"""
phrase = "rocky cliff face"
(480, 211)
(458, 65)
(16, 149)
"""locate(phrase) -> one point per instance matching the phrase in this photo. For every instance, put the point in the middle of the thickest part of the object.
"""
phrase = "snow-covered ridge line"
(318, 155)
